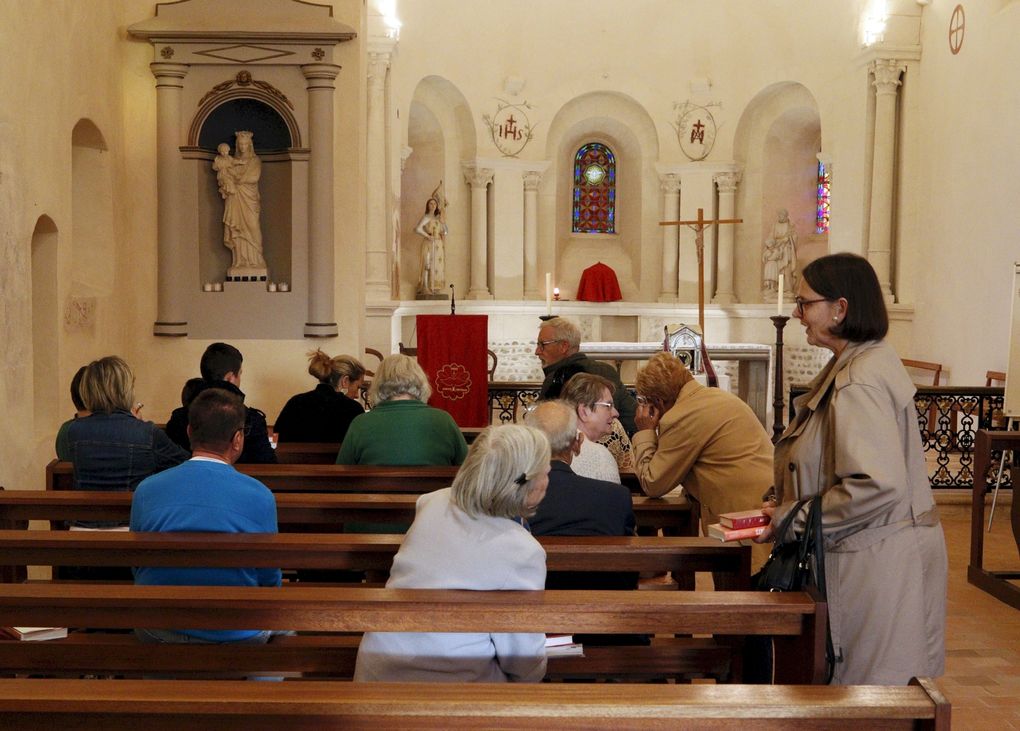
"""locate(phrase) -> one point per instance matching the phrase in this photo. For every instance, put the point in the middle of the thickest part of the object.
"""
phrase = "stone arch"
(93, 248)
(45, 331)
(441, 134)
(269, 97)
(621, 123)
(776, 145)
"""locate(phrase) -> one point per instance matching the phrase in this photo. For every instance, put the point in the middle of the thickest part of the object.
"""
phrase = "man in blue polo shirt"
(206, 494)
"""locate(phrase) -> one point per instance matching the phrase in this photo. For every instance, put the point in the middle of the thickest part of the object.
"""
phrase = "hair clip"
(522, 479)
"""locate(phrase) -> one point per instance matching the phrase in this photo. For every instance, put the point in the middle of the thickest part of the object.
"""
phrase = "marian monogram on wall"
(510, 127)
(695, 129)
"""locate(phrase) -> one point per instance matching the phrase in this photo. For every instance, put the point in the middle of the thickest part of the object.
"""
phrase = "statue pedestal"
(439, 296)
(247, 274)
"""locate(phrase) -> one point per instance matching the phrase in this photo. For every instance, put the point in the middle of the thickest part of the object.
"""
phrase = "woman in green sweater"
(401, 429)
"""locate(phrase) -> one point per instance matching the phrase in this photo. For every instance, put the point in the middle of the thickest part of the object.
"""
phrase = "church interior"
(822, 127)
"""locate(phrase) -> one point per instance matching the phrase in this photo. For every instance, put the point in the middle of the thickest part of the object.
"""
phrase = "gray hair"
(566, 330)
(399, 374)
(496, 476)
(558, 421)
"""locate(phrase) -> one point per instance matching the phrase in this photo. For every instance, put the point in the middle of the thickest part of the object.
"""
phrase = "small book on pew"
(562, 646)
(743, 519)
(721, 533)
(33, 633)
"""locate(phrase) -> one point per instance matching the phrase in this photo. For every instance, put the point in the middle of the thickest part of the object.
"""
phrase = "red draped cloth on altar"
(599, 284)
(453, 352)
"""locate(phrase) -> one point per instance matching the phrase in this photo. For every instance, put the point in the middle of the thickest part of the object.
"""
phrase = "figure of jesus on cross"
(698, 226)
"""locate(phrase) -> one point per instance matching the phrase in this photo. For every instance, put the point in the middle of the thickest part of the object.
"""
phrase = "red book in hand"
(743, 519)
(738, 534)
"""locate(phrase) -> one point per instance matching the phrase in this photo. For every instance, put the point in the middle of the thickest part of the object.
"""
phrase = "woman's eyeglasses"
(800, 302)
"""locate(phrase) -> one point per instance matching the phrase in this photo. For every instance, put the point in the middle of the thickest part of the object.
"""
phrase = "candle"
(272, 286)
(207, 287)
(548, 293)
(779, 302)
(283, 287)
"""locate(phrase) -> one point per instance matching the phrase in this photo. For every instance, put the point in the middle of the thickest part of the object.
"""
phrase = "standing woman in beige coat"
(856, 442)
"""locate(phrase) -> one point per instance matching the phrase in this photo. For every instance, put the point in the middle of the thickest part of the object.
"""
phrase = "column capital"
(669, 182)
(378, 63)
(887, 72)
(532, 179)
(727, 182)
(320, 75)
(475, 176)
(169, 74)
(405, 153)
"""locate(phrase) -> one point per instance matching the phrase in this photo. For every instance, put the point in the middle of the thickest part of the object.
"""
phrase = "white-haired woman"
(401, 429)
(471, 536)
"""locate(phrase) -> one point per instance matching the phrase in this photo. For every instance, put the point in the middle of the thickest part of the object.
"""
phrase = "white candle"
(779, 302)
(548, 293)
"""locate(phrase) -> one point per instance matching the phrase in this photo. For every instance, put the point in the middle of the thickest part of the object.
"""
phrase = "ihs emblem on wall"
(510, 127)
(695, 129)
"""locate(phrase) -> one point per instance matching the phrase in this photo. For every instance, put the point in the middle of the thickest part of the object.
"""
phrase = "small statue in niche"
(432, 262)
(780, 255)
(238, 181)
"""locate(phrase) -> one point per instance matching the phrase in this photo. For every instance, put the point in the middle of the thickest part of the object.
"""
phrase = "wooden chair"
(935, 371)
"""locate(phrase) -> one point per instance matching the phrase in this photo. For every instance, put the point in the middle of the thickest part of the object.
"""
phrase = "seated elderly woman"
(705, 439)
(591, 396)
(470, 536)
(324, 413)
(401, 429)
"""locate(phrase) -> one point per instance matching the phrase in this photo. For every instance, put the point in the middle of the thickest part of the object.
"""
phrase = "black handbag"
(798, 563)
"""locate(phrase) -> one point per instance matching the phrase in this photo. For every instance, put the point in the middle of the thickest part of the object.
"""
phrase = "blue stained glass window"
(824, 184)
(594, 189)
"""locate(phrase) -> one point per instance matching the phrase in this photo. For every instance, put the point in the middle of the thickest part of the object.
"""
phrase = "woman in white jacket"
(471, 536)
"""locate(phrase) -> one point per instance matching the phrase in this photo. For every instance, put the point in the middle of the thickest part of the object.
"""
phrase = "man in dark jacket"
(221, 368)
(559, 344)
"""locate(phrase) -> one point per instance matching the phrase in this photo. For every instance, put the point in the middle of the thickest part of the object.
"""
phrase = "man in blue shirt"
(206, 494)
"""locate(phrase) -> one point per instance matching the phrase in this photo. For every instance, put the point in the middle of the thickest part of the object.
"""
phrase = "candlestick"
(777, 384)
(779, 302)
(548, 293)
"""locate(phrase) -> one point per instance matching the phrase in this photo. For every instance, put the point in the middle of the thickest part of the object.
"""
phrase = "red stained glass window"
(824, 183)
(594, 190)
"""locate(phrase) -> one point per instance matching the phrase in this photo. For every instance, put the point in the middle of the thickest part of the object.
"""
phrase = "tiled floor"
(982, 678)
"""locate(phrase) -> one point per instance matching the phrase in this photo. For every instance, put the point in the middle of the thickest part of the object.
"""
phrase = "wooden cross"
(699, 226)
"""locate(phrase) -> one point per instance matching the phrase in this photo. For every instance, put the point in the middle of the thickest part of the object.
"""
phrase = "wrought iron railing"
(949, 417)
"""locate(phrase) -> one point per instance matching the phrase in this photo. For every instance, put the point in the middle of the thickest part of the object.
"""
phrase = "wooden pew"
(315, 705)
(329, 477)
(325, 452)
(794, 619)
(361, 551)
(322, 511)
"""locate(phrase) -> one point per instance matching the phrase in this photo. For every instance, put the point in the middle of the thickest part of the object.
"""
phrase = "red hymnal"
(738, 534)
(743, 519)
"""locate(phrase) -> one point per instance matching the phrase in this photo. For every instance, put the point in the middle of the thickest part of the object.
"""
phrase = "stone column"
(321, 317)
(670, 236)
(887, 78)
(377, 264)
(479, 179)
(727, 185)
(532, 179)
(172, 261)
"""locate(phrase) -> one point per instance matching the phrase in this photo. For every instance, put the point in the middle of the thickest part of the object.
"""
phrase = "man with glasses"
(221, 368)
(558, 347)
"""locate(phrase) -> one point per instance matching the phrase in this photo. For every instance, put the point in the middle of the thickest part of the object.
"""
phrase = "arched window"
(594, 190)
(824, 186)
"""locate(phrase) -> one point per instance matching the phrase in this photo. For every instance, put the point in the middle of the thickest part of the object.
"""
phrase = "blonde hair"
(108, 385)
(399, 374)
(496, 476)
(662, 378)
(331, 370)
(586, 389)
(558, 421)
(565, 330)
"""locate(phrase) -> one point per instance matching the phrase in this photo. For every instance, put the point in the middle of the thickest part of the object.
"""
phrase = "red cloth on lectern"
(599, 284)
(453, 352)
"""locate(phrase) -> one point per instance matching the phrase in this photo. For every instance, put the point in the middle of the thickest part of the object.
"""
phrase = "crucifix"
(698, 226)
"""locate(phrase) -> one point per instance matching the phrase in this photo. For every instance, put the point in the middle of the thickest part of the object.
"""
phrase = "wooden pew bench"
(795, 620)
(295, 511)
(329, 477)
(239, 705)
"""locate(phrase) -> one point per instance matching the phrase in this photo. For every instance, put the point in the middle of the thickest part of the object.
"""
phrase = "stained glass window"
(594, 190)
(824, 182)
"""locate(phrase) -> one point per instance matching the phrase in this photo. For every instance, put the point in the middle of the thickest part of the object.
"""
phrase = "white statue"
(238, 181)
(432, 228)
(780, 255)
